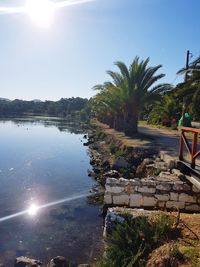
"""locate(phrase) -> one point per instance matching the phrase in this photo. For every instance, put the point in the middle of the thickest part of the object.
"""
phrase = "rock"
(136, 200)
(192, 207)
(146, 189)
(92, 162)
(112, 174)
(175, 204)
(26, 262)
(163, 197)
(169, 160)
(120, 163)
(164, 186)
(97, 170)
(112, 218)
(148, 161)
(122, 200)
(146, 168)
(149, 201)
(187, 198)
(174, 196)
(58, 261)
(108, 198)
(105, 165)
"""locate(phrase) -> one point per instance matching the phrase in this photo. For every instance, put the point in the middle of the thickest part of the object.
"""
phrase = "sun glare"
(33, 210)
(40, 11)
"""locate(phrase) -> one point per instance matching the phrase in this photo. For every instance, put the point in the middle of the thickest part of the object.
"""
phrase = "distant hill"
(4, 99)
(36, 100)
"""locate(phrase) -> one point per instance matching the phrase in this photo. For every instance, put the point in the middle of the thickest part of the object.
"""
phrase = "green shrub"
(132, 240)
(120, 153)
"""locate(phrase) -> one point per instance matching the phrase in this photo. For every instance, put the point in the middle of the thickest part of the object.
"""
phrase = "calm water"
(43, 161)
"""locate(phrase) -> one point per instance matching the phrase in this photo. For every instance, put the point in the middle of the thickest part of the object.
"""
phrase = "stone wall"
(165, 191)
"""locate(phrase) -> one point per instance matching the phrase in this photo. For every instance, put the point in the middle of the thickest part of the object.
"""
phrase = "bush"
(132, 241)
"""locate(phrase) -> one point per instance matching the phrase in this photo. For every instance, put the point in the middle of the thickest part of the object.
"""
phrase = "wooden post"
(181, 146)
(194, 149)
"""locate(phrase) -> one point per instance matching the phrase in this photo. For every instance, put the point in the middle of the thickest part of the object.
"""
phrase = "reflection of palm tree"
(129, 90)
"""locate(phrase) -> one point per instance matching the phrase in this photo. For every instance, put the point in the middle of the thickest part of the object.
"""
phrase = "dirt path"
(165, 139)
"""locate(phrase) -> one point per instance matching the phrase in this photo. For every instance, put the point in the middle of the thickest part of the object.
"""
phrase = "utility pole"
(186, 79)
(187, 65)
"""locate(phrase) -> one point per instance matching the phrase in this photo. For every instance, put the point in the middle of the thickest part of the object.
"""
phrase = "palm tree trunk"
(131, 124)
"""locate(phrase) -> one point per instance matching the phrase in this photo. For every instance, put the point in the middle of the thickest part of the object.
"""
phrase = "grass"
(191, 254)
(133, 240)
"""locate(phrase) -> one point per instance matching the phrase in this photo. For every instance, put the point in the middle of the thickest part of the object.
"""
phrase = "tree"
(190, 89)
(132, 87)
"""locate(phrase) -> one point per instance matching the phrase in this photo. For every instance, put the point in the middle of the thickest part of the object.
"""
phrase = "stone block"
(187, 198)
(164, 187)
(108, 188)
(136, 200)
(195, 189)
(178, 186)
(108, 199)
(149, 201)
(121, 199)
(161, 204)
(146, 189)
(123, 181)
(179, 174)
(174, 196)
(116, 189)
(170, 162)
(187, 187)
(192, 207)
(163, 197)
(112, 181)
(175, 204)
(176, 172)
(134, 182)
(129, 189)
(148, 182)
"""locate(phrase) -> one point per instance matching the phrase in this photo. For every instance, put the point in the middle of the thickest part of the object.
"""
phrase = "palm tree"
(190, 90)
(134, 85)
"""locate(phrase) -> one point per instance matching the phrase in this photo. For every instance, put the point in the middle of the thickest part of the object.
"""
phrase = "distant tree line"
(64, 107)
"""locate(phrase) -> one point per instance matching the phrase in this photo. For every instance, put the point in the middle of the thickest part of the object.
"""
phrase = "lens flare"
(32, 211)
(41, 11)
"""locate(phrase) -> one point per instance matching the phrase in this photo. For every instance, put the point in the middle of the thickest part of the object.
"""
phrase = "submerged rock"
(58, 261)
(26, 262)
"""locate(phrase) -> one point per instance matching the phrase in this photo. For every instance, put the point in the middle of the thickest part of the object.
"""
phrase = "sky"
(83, 41)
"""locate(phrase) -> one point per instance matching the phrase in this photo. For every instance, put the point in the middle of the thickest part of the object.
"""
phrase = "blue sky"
(71, 56)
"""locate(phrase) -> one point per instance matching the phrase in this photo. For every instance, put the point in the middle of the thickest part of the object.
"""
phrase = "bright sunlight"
(33, 210)
(40, 11)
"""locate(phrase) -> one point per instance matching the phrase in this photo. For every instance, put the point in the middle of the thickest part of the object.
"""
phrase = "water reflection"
(39, 164)
(33, 209)
(76, 127)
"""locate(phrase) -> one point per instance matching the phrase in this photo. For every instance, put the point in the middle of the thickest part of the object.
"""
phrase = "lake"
(43, 160)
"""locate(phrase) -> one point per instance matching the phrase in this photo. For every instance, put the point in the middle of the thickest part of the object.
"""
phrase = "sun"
(33, 210)
(40, 11)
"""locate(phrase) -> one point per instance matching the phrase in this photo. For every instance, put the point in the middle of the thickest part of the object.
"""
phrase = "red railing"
(193, 151)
